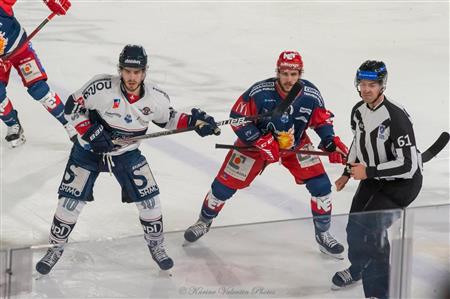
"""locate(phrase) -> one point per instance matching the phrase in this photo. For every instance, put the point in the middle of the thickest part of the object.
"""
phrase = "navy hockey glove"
(204, 124)
(99, 139)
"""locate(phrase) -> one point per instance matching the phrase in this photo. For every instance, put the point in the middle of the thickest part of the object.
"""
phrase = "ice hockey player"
(270, 135)
(25, 60)
(110, 107)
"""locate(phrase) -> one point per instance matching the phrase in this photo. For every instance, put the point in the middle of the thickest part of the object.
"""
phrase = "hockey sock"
(151, 220)
(211, 206)
(321, 210)
(7, 113)
(65, 218)
(52, 102)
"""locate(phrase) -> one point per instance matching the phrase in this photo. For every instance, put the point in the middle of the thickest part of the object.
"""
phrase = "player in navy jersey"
(109, 107)
(24, 59)
(287, 131)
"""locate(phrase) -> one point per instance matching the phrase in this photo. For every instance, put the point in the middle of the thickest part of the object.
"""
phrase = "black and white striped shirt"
(384, 141)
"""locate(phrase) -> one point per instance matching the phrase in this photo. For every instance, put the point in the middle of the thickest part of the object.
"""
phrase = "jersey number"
(404, 140)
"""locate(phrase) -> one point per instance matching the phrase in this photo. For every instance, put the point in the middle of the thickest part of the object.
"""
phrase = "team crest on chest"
(146, 110)
(128, 119)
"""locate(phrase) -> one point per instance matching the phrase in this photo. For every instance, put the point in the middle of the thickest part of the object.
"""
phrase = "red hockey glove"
(338, 150)
(59, 7)
(268, 148)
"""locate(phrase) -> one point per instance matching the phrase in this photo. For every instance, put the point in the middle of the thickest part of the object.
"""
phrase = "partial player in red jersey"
(24, 59)
(269, 135)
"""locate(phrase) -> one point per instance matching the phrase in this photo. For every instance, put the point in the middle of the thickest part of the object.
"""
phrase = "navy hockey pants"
(367, 236)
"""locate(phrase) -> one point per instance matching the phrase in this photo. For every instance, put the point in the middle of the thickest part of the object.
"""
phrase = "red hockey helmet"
(290, 60)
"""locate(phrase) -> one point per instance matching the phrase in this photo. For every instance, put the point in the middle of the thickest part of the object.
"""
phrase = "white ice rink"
(205, 54)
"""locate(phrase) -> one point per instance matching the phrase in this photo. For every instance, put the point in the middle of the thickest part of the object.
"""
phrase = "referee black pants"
(368, 244)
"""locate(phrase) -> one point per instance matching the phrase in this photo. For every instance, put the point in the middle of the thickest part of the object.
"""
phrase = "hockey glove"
(99, 139)
(337, 149)
(204, 124)
(59, 7)
(268, 148)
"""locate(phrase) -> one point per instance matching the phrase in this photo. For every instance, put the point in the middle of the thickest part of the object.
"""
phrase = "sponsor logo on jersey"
(263, 86)
(3, 42)
(242, 108)
(96, 86)
(147, 111)
(128, 119)
(382, 132)
(116, 103)
(305, 110)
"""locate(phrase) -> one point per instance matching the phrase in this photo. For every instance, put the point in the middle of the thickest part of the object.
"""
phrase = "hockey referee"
(385, 158)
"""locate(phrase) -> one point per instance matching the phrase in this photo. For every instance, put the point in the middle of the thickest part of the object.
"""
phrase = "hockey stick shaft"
(32, 34)
(255, 149)
(283, 106)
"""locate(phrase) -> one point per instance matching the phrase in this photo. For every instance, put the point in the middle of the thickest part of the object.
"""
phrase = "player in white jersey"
(109, 107)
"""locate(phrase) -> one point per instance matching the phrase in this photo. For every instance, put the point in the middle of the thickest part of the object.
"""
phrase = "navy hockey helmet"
(372, 70)
(133, 56)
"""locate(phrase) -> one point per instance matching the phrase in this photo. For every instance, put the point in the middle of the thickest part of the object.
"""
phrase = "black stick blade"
(436, 147)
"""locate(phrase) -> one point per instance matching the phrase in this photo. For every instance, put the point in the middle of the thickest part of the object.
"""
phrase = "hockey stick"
(32, 34)
(279, 109)
(436, 147)
(254, 149)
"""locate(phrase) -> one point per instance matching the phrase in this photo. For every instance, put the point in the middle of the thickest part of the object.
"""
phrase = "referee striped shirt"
(384, 141)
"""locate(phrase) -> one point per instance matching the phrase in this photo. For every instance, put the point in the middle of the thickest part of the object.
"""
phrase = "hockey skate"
(197, 230)
(344, 278)
(71, 131)
(329, 245)
(14, 135)
(160, 256)
(45, 265)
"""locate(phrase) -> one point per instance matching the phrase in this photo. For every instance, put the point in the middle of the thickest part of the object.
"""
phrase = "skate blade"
(165, 273)
(349, 286)
(338, 256)
(186, 243)
(18, 142)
